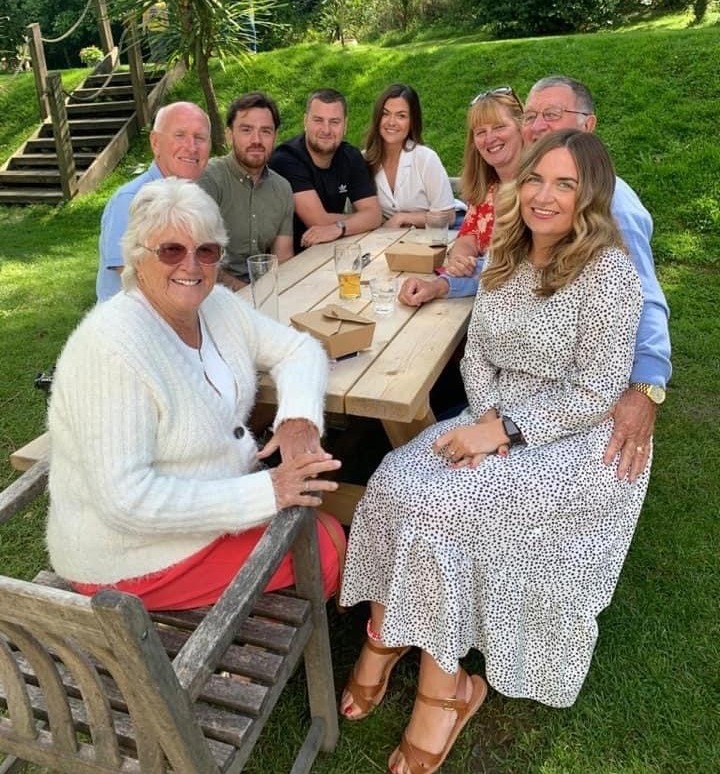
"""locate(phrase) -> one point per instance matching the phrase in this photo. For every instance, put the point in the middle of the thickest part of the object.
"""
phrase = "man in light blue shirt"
(180, 142)
(558, 102)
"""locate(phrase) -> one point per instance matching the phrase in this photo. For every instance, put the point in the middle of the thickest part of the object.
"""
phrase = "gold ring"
(639, 448)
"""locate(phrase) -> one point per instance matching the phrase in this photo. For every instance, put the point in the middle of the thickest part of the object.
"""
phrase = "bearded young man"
(256, 203)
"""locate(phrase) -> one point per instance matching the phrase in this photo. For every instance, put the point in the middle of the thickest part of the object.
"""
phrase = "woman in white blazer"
(409, 176)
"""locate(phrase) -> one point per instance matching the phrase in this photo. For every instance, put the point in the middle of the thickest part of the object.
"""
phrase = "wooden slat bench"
(99, 685)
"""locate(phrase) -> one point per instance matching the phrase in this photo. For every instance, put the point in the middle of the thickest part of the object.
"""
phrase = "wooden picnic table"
(392, 380)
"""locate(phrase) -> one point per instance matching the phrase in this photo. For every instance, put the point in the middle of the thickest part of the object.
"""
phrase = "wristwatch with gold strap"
(652, 391)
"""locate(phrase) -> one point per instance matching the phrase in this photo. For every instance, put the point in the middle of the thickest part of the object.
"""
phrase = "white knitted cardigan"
(146, 466)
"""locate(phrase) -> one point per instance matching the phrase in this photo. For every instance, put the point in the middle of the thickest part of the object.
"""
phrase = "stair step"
(88, 142)
(27, 177)
(81, 126)
(98, 109)
(121, 79)
(96, 125)
(108, 92)
(30, 196)
(48, 160)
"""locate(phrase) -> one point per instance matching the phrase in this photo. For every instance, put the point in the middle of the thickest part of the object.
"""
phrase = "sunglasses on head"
(500, 91)
(173, 253)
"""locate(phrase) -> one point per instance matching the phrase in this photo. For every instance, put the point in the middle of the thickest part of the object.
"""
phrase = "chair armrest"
(24, 490)
(199, 657)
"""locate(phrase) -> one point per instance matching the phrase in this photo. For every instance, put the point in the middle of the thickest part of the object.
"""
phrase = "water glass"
(263, 271)
(383, 291)
(436, 228)
(348, 267)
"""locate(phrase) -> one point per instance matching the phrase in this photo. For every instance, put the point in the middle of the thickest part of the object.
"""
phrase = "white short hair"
(169, 203)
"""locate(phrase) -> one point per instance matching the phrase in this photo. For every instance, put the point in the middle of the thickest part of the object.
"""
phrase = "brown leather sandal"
(367, 697)
(421, 761)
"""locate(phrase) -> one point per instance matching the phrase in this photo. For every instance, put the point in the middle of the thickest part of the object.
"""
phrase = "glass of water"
(383, 291)
(263, 271)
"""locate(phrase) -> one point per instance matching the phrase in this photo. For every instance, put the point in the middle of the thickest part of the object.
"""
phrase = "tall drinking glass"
(436, 228)
(348, 267)
(263, 271)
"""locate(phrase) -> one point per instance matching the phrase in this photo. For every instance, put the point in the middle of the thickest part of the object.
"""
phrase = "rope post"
(106, 36)
(61, 133)
(137, 75)
(39, 67)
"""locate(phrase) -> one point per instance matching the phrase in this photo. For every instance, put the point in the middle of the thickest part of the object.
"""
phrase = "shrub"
(522, 18)
(91, 55)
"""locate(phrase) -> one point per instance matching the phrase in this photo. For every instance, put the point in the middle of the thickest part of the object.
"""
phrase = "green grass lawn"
(650, 704)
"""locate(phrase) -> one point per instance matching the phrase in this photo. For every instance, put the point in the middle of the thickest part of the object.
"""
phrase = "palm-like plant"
(196, 31)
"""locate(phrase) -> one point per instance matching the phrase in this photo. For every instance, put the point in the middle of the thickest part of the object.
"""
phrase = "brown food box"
(415, 257)
(338, 329)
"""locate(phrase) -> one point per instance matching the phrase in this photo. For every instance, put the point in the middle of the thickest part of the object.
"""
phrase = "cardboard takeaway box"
(415, 257)
(339, 330)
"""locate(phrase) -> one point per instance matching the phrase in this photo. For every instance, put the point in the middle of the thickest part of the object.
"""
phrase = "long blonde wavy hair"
(593, 226)
(477, 175)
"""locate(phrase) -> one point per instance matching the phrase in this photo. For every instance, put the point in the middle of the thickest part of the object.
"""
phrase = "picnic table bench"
(101, 685)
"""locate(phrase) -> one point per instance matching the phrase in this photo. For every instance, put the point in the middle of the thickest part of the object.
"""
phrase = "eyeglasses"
(173, 253)
(550, 114)
(500, 91)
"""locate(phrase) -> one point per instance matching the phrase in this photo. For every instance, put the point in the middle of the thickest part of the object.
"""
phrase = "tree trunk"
(217, 129)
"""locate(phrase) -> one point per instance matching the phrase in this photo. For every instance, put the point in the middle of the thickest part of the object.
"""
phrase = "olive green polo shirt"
(254, 213)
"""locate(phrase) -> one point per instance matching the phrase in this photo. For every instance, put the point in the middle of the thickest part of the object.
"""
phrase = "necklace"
(202, 361)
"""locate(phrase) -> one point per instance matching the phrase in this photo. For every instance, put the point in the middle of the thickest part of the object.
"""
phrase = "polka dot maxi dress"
(518, 556)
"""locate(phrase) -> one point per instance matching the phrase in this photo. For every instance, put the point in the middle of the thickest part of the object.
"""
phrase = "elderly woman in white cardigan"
(156, 482)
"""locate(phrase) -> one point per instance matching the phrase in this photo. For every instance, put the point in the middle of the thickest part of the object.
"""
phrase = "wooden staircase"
(100, 132)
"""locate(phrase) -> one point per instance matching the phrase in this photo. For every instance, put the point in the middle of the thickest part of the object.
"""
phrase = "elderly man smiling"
(180, 142)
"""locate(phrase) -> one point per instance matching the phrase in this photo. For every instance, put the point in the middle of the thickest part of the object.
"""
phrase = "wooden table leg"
(400, 433)
(341, 503)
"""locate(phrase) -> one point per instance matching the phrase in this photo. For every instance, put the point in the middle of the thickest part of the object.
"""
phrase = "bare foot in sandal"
(369, 678)
(435, 724)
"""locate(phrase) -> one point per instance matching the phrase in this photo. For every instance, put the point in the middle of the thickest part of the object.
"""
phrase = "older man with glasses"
(559, 102)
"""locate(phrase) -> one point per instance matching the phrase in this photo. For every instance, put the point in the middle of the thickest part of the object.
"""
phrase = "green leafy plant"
(91, 55)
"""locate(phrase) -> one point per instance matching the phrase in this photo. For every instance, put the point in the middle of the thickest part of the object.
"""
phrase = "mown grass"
(650, 704)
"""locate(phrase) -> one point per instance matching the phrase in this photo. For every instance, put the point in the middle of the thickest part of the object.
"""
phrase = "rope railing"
(100, 89)
(72, 29)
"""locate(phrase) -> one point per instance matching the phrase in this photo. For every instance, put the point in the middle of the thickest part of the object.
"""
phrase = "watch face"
(656, 394)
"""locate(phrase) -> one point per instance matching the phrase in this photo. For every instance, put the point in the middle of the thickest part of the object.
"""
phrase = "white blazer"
(421, 184)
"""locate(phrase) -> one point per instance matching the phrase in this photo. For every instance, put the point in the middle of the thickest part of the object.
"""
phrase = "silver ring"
(304, 486)
(640, 449)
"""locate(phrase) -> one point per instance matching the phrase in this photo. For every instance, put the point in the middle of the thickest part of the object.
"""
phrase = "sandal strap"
(382, 650)
(451, 703)
(419, 760)
(363, 696)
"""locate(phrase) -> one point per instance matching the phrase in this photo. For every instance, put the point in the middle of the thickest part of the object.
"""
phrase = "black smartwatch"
(513, 432)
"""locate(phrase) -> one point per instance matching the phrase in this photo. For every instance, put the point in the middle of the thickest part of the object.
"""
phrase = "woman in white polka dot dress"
(502, 529)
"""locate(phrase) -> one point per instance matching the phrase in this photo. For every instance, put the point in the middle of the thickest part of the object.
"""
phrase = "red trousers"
(200, 579)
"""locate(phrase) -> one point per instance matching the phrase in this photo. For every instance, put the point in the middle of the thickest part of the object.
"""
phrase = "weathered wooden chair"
(99, 685)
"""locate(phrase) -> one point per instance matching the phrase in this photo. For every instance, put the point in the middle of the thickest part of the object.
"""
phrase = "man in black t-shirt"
(325, 172)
